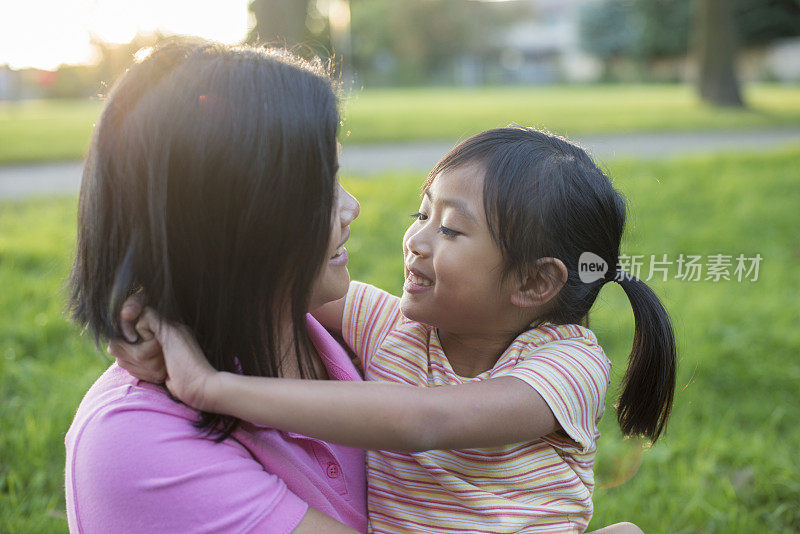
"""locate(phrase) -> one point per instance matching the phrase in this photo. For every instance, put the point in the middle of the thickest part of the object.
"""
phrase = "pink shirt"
(135, 463)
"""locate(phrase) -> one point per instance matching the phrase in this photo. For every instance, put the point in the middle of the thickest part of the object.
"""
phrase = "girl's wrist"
(215, 392)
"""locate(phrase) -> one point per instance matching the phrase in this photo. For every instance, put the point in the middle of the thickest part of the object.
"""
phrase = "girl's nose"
(416, 241)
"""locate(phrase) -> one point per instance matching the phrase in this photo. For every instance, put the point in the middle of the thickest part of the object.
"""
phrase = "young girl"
(492, 305)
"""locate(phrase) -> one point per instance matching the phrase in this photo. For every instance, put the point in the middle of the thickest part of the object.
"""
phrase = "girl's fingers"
(148, 324)
(143, 360)
(119, 349)
(148, 375)
(129, 314)
(141, 353)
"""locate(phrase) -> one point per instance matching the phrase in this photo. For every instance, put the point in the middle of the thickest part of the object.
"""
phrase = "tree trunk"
(715, 41)
(279, 22)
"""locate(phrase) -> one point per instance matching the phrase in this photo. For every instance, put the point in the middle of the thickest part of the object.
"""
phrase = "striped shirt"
(539, 486)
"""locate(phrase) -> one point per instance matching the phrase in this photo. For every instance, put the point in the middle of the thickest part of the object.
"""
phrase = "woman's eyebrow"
(456, 204)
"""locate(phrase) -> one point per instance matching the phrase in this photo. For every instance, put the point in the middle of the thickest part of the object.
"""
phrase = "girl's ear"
(542, 283)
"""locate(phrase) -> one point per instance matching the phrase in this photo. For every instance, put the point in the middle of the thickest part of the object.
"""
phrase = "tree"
(279, 22)
(115, 58)
(664, 28)
(608, 31)
(419, 41)
(761, 22)
(646, 30)
(715, 41)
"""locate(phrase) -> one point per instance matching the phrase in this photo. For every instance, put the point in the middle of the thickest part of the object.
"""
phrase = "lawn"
(58, 130)
(728, 462)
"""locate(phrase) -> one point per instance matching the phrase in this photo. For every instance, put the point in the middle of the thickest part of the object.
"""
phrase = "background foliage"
(653, 29)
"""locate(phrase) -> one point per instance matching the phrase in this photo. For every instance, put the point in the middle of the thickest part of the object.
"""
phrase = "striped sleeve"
(369, 314)
(572, 377)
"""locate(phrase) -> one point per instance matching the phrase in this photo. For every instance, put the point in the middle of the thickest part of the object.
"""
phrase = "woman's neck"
(472, 354)
(288, 364)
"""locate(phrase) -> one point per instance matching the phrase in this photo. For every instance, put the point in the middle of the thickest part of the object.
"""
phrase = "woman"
(231, 153)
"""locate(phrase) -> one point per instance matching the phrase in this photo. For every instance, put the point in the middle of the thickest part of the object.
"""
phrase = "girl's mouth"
(418, 280)
(416, 283)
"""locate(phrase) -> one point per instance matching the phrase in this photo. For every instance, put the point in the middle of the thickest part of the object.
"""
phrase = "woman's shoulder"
(121, 416)
(117, 392)
(134, 457)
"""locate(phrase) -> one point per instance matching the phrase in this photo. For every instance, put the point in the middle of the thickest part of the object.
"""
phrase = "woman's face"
(334, 279)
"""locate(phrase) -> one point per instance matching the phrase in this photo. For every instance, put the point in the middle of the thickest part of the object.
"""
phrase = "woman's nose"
(349, 208)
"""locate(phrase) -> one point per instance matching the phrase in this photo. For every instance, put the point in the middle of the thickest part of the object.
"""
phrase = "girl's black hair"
(545, 197)
(209, 187)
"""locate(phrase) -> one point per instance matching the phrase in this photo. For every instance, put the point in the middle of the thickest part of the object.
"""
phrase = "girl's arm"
(330, 315)
(315, 521)
(370, 415)
(380, 415)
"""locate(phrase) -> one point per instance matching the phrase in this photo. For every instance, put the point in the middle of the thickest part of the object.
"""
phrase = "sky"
(47, 33)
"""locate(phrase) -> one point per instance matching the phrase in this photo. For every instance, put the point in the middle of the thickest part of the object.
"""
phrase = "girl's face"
(334, 279)
(453, 267)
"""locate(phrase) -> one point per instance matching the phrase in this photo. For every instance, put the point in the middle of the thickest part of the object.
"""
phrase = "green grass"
(401, 114)
(729, 460)
(57, 130)
(46, 130)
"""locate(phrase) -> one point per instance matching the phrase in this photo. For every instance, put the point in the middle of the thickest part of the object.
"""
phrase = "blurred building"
(546, 47)
(780, 62)
(7, 82)
(25, 83)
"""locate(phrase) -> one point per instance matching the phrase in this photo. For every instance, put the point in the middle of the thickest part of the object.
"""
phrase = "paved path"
(20, 181)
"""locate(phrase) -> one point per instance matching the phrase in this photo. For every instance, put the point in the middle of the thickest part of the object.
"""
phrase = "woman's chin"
(332, 287)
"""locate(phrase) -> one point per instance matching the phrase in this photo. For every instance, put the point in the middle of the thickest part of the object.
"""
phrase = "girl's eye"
(447, 231)
(419, 216)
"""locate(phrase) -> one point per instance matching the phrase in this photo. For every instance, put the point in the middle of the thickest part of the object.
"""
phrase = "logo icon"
(591, 267)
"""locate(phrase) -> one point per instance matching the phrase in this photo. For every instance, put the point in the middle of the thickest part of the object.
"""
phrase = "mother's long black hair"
(545, 197)
(209, 187)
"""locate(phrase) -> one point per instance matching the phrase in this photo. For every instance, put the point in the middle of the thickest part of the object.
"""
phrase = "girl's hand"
(189, 376)
(139, 353)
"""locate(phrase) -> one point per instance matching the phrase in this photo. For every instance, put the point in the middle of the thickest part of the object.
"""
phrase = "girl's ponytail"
(646, 400)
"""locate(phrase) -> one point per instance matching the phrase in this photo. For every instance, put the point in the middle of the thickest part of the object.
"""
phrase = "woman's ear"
(542, 283)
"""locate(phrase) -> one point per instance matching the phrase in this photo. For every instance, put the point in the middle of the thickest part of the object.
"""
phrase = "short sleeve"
(369, 315)
(572, 377)
(145, 470)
